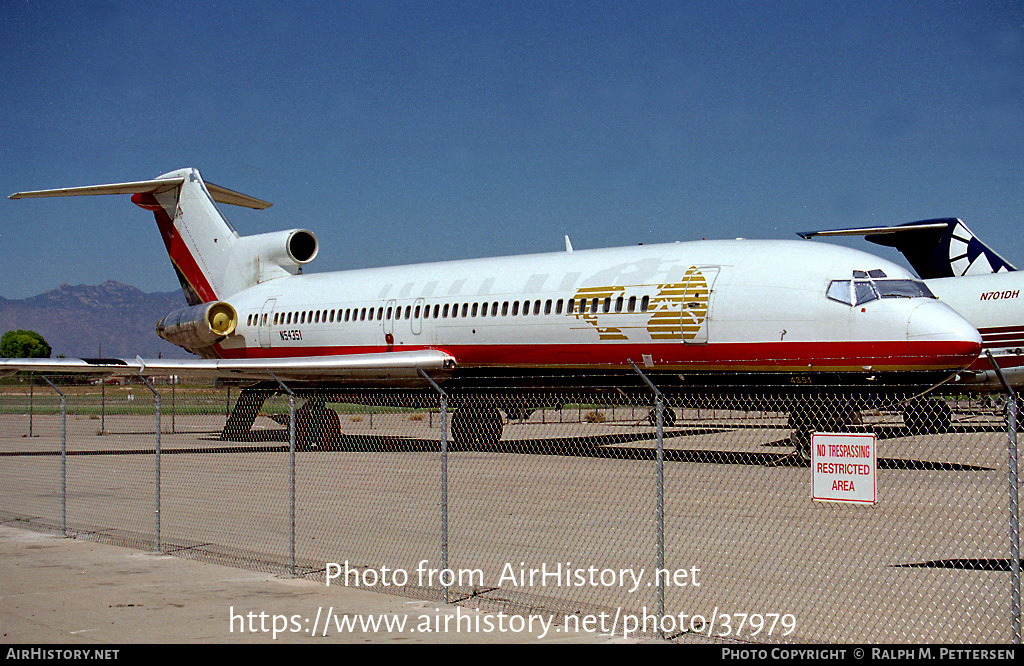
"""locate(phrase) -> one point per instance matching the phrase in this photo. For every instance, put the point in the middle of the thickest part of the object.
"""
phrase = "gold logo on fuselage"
(676, 312)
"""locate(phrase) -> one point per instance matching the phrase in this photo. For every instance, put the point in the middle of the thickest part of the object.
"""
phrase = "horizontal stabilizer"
(866, 231)
(219, 194)
(384, 367)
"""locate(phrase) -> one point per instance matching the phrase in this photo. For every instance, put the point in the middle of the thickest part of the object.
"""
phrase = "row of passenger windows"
(457, 310)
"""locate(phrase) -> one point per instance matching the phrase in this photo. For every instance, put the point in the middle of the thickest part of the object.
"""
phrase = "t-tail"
(211, 260)
(937, 248)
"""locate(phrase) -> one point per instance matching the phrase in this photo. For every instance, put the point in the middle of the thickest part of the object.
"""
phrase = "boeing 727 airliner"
(759, 312)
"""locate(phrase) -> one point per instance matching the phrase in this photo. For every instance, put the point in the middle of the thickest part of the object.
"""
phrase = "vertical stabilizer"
(199, 241)
(211, 260)
(947, 251)
(938, 248)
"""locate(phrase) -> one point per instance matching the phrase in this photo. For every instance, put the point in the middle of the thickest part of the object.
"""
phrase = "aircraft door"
(417, 317)
(698, 285)
(390, 314)
(266, 319)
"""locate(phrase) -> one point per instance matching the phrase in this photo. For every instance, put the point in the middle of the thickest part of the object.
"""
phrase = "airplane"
(741, 316)
(970, 277)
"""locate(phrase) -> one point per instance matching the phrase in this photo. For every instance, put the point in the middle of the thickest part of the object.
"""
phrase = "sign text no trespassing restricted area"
(844, 467)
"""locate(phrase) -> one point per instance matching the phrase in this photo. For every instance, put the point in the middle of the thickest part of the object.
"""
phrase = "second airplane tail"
(936, 248)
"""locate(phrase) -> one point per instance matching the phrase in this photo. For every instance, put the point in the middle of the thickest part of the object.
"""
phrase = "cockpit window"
(902, 289)
(839, 290)
(870, 285)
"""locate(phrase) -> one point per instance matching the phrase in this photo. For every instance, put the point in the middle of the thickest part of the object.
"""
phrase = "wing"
(392, 368)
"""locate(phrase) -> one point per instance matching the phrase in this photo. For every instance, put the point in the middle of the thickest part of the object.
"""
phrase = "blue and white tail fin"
(937, 248)
(211, 260)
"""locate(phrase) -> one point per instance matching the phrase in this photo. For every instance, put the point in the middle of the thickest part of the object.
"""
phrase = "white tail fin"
(212, 261)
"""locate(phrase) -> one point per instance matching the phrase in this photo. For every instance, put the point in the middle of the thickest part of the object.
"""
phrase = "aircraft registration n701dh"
(755, 311)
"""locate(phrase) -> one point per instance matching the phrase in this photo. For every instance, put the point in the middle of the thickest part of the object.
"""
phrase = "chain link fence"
(563, 500)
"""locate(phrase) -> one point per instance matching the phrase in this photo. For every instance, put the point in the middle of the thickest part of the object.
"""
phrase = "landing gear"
(239, 423)
(927, 416)
(475, 425)
(316, 426)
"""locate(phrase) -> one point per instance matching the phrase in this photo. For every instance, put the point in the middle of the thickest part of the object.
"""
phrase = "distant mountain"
(79, 321)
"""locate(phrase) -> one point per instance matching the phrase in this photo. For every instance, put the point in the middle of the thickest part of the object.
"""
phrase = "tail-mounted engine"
(199, 326)
(266, 254)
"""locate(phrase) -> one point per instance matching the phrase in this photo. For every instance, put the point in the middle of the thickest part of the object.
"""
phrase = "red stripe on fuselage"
(179, 253)
(736, 357)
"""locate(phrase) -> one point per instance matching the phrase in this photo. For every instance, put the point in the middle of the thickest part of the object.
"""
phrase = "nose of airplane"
(932, 321)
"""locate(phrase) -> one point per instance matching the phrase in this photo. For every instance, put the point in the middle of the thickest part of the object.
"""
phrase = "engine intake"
(294, 247)
(198, 326)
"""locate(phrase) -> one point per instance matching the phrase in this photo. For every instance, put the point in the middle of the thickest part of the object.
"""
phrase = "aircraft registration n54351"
(754, 311)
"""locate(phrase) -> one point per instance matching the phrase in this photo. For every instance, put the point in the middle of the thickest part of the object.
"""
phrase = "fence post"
(659, 411)
(291, 472)
(1011, 435)
(63, 457)
(444, 475)
(156, 449)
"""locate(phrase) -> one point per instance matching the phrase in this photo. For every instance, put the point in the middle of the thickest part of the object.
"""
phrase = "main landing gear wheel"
(316, 426)
(927, 416)
(472, 425)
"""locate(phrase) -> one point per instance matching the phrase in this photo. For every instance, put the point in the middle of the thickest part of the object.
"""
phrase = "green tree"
(23, 344)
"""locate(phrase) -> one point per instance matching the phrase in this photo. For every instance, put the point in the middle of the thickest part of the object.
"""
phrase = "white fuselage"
(994, 304)
(734, 306)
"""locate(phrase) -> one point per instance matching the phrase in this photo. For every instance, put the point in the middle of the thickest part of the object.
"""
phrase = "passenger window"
(504, 309)
(483, 310)
(526, 308)
(644, 303)
(408, 312)
(547, 307)
(558, 307)
(618, 304)
(465, 309)
(570, 306)
(494, 309)
(632, 303)
(416, 313)
(593, 305)
(536, 307)
(515, 308)
(444, 312)
(607, 303)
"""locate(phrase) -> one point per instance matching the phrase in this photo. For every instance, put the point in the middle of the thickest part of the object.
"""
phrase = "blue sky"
(412, 131)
